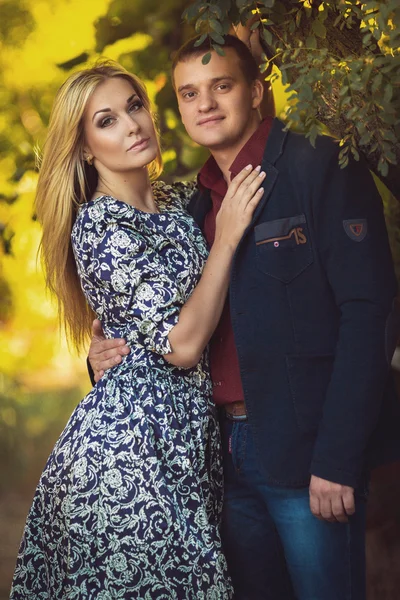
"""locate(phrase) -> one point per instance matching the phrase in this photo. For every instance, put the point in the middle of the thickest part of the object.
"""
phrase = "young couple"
(129, 504)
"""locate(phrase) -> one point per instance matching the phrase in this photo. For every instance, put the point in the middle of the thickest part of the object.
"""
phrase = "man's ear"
(257, 93)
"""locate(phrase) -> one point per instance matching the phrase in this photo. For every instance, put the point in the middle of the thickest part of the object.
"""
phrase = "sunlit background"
(41, 379)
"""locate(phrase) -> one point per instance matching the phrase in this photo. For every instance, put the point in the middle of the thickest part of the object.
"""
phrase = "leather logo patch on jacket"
(356, 229)
(296, 232)
(289, 228)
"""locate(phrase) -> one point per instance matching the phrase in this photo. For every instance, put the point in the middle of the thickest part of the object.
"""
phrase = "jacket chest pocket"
(283, 247)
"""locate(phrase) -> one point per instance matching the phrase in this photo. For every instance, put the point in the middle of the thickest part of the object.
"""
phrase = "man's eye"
(223, 86)
(189, 95)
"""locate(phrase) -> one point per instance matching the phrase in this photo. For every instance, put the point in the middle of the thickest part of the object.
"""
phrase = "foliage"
(341, 60)
(29, 425)
(40, 44)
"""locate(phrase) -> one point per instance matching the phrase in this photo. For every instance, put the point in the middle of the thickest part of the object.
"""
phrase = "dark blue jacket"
(311, 295)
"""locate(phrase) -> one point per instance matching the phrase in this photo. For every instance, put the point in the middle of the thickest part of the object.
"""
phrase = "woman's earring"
(89, 160)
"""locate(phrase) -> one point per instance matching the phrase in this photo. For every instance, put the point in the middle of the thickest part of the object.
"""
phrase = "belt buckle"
(235, 417)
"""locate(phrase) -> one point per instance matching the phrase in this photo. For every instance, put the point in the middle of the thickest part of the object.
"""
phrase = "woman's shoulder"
(176, 194)
(103, 210)
(101, 217)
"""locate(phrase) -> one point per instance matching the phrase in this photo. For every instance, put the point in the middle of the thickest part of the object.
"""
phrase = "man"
(300, 361)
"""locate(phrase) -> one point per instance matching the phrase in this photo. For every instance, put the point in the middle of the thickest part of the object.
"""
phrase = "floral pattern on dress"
(129, 503)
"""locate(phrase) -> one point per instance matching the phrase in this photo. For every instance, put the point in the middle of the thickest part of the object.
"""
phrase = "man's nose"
(207, 102)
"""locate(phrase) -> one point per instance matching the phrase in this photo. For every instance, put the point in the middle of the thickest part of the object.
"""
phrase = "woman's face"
(119, 131)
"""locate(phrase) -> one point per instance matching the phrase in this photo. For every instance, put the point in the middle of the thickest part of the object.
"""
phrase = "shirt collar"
(210, 174)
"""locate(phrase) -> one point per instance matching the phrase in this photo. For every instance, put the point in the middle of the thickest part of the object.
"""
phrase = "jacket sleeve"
(354, 250)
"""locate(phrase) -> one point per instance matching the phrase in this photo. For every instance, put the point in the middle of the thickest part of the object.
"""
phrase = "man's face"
(218, 105)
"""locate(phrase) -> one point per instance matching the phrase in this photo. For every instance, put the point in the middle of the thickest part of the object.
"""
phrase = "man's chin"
(212, 142)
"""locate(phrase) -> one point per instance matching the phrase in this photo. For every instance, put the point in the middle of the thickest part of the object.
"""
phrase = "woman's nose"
(133, 124)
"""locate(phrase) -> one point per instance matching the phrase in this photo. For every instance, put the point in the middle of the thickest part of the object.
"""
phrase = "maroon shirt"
(224, 362)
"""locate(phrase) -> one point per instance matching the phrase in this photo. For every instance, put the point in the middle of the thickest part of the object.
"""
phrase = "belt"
(236, 411)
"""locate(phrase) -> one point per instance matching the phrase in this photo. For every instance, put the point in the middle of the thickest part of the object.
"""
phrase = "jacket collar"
(200, 203)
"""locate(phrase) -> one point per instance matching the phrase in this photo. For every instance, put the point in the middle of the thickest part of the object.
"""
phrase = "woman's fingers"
(248, 190)
(238, 180)
(245, 184)
(252, 187)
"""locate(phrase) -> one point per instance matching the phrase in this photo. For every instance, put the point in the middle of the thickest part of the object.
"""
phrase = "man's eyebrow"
(213, 81)
(109, 109)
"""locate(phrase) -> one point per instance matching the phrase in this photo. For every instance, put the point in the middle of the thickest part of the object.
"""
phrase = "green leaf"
(254, 25)
(383, 167)
(365, 139)
(218, 49)
(319, 28)
(306, 93)
(217, 37)
(337, 20)
(215, 25)
(367, 39)
(377, 34)
(267, 35)
(217, 10)
(308, 11)
(322, 14)
(191, 12)
(200, 40)
(390, 157)
(388, 93)
(377, 82)
(311, 42)
(287, 66)
(206, 58)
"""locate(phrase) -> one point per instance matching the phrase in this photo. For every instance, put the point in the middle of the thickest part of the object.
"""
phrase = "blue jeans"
(275, 548)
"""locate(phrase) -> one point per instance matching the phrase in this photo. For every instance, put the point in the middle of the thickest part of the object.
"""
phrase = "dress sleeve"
(131, 286)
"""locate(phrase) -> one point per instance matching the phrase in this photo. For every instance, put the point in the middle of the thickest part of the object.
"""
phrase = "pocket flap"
(277, 228)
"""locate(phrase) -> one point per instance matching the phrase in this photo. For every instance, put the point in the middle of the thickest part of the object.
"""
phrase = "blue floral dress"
(129, 502)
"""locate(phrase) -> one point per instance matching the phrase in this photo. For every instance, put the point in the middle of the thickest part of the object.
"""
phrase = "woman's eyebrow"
(109, 109)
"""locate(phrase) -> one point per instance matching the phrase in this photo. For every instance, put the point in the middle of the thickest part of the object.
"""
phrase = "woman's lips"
(139, 145)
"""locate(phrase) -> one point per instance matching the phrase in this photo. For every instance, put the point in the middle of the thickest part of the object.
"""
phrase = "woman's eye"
(135, 106)
(106, 122)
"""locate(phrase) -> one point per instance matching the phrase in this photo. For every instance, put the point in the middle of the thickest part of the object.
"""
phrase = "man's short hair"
(247, 62)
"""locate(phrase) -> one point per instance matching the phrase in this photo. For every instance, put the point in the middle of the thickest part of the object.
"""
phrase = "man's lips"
(139, 145)
(210, 120)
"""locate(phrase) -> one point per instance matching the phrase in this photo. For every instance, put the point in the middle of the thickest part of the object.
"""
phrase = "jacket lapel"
(273, 150)
(199, 205)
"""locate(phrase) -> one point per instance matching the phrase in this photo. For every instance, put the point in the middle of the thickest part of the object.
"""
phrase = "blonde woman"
(128, 504)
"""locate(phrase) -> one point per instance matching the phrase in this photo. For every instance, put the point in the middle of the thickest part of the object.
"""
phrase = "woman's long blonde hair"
(66, 180)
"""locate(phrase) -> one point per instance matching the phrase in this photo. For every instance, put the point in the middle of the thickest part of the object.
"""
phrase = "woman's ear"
(87, 155)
